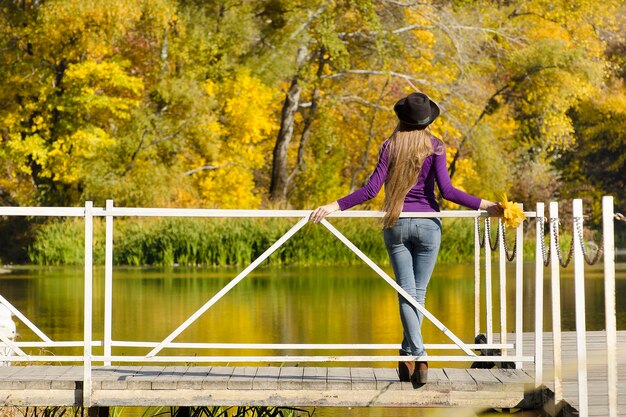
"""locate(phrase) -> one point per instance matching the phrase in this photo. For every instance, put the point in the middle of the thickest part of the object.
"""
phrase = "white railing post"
(502, 279)
(556, 302)
(608, 230)
(539, 296)
(519, 292)
(476, 276)
(488, 289)
(108, 281)
(88, 304)
(579, 289)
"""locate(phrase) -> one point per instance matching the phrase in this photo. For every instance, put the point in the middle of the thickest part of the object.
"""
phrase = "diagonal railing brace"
(228, 287)
(399, 289)
(24, 320)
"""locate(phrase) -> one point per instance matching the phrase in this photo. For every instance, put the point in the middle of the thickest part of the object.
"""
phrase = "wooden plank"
(193, 377)
(119, 379)
(6, 372)
(39, 378)
(387, 379)
(290, 377)
(514, 379)
(339, 378)
(314, 378)
(218, 377)
(266, 378)
(242, 377)
(168, 379)
(438, 380)
(461, 379)
(309, 398)
(142, 380)
(363, 378)
(485, 380)
(66, 378)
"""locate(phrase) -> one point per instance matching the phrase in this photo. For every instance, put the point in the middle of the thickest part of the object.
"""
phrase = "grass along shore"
(222, 242)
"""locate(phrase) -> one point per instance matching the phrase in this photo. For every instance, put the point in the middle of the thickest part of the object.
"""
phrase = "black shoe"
(420, 375)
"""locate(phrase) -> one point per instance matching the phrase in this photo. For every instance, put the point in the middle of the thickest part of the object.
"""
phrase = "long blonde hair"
(407, 151)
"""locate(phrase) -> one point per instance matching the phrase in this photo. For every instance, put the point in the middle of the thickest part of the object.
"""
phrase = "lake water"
(279, 305)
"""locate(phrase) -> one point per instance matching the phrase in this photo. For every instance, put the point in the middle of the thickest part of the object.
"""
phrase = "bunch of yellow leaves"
(513, 213)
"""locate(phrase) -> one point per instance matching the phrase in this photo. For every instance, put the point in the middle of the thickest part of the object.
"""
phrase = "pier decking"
(265, 386)
(319, 386)
(598, 399)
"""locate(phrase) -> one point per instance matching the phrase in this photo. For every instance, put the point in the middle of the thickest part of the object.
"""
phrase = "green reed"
(202, 411)
(222, 242)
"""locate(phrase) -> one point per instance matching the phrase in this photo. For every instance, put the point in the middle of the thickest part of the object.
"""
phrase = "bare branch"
(407, 4)
(385, 32)
(361, 100)
(202, 168)
(312, 16)
(168, 137)
(374, 72)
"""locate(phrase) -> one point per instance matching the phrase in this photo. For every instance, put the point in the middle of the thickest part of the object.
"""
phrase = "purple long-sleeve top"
(422, 196)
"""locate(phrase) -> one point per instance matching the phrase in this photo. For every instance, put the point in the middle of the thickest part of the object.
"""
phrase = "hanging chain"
(578, 222)
(557, 244)
(481, 239)
(620, 217)
(545, 254)
(493, 245)
(510, 257)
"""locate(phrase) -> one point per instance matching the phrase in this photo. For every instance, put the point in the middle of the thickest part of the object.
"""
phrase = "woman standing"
(409, 164)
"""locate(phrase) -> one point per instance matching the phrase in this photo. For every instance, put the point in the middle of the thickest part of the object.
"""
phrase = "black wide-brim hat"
(416, 110)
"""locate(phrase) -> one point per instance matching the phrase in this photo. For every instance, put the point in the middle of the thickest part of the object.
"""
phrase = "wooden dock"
(320, 386)
(263, 386)
(596, 369)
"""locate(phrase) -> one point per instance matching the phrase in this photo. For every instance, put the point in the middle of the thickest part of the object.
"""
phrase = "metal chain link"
(493, 245)
(481, 239)
(620, 217)
(510, 257)
(545, 254)
(578, 222)
(557, 244)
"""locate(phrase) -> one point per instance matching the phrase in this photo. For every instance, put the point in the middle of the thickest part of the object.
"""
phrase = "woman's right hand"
(319, 213)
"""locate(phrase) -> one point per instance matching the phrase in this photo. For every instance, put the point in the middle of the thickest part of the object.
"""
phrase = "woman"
(409, 164)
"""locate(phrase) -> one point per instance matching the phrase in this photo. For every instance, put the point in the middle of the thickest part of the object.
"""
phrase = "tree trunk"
(280, 176)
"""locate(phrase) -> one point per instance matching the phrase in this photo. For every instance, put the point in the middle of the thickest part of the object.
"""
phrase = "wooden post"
(476, 276)
(87, 304)
(556, 303)
(98, 412)
(502, 279)
(519, 293)
(108, 282)
(488, 294)
(539, 297)
(608, 230)
(579, 289)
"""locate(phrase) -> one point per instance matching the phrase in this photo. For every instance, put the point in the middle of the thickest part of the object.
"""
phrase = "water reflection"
(282, 305)
(279, 305)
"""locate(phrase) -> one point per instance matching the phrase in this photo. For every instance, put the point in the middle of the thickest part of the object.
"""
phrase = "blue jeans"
(413, 245)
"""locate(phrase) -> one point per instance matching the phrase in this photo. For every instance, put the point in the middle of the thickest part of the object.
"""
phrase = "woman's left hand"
(495, 210)
(319, 213)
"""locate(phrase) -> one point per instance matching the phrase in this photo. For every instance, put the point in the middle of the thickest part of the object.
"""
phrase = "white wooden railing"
(483, 262)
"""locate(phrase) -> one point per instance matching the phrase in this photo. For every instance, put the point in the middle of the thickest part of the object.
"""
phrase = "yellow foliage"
(229, 187)
(513, 213)
(247, 130)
